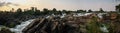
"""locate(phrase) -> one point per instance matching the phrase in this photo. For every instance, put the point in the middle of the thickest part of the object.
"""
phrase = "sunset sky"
(108, 5)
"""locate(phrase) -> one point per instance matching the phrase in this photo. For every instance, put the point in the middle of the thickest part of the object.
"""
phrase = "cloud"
(7, 4)
(117, 0)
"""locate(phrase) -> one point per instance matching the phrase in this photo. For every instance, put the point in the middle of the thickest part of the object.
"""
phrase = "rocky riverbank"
(74, 23)
(64, 23)
(11, 19)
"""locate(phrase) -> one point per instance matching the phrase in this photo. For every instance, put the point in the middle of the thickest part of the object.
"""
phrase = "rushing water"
(19, 28)
(100, 15)
(104, 28)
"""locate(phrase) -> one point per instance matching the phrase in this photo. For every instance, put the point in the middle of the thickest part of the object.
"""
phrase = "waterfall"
(83, 14)
(19, 28)
(100, 15)
(63, 15)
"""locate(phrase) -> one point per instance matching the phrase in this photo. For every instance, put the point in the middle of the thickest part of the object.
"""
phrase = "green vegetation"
(5, 30)
(93, 25)
(117, 8)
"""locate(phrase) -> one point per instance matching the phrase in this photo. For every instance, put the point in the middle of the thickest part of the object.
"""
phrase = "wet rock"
(70, 23)
(113, 16)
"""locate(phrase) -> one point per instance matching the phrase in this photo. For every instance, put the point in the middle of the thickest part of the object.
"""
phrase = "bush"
(5, 30)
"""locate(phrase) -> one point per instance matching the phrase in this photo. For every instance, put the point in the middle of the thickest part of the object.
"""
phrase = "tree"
(18, 13)
(45, 9)
(54, 9)
(117, 8)
(79, 11)
(37, 12)
(64, 11)
(12, 10)
(19, 10)
(31, 11)
(101, 10)
(32, 8)
(89, 10)
(36, 9)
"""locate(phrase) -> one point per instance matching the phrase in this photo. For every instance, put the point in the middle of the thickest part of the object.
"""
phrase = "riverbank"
(73, 20)
(75, 23)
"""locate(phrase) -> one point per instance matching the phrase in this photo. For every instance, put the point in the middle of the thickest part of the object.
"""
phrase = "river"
(19, 28)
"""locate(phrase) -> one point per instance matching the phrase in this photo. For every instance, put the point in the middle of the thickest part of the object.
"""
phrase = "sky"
(107, 5)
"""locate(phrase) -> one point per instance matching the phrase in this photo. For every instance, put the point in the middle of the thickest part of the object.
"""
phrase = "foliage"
(101, 10)
(117, 8)
(93, 25)
(5, 30)
(90, 11)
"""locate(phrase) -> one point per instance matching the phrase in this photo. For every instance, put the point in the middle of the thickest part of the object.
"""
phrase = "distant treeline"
(45, 11)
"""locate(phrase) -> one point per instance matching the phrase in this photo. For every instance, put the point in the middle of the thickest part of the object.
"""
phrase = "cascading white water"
(82, 14)
(104, 28)
(100, 15)
(19, 28)
(63, 15)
